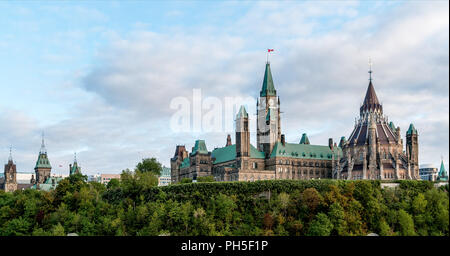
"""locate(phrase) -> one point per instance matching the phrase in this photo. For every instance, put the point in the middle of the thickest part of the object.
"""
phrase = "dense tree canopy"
(135, 206)
(149, 165)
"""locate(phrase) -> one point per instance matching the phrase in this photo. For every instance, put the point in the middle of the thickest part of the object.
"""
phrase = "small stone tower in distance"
(242, 139)
(10, 175)
(242, 134)
(74, 169)
(43, 167)
(412, 151)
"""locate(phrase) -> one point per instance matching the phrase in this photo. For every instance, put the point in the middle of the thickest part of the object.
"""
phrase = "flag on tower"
(269, 50)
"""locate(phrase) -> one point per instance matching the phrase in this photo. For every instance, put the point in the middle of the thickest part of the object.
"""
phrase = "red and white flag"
(269, 50)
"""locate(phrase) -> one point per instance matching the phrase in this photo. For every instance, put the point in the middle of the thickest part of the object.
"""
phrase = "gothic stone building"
(42, 167)
(374, 149)
(272, 158)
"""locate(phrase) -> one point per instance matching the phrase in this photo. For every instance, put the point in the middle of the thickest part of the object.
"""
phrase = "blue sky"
(60, 60)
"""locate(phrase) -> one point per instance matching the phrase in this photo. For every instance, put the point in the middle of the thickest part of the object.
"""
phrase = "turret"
(10, 175)
(74, 169)
(43, 167)
(412, 146)
(242, 134)
(228, 141)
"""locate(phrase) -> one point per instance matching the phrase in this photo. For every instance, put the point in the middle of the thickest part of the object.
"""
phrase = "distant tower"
(442, 175)
(242, 134)
(10, 175)
(43, 167)
(268, 112)
(74, 169)
(412, 147)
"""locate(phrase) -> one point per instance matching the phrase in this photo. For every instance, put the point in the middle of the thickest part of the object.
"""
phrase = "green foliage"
(135, 206)
(149, 165)
(320, 226)
(205, 179)
(185, 180)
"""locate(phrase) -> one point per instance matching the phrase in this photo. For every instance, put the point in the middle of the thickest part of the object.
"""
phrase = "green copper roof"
(442, 176)
(411, 130)
(242, 113)
(304, 139)
(165, 172)
(49, 184)
(268, 88)
(392, 126)
(186, 163)
(304, 151)
(43, 161)
(200, 147)
(228, 153)
(342, 141)
(75, 168)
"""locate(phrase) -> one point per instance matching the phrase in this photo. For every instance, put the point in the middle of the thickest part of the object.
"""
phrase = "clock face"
(271, 102)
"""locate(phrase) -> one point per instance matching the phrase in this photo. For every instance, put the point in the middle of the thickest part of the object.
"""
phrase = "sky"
(98, 77)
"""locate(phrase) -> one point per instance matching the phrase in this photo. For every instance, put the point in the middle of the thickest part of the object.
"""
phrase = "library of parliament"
(374, 150)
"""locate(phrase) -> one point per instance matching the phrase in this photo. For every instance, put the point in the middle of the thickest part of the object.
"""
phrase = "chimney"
(228, 140)
(283, 141)
(330, 143)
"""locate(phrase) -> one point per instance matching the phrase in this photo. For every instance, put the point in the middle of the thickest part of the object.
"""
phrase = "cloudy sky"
(98, 77)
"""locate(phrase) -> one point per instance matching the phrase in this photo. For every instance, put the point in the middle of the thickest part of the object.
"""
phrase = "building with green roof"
(74, 169)
(42, 167)
(164, 179)
(271, 158)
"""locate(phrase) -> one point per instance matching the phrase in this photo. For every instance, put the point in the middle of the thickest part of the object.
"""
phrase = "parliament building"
(374, 149)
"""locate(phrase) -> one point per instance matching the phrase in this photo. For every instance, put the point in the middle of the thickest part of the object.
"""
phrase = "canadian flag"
(269, 50)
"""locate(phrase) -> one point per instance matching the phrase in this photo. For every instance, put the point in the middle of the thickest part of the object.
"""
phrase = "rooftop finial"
(75, 157)
(43, 150)
(10, 154)
(370, 69)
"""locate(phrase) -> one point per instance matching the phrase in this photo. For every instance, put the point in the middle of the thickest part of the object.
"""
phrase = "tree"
(185, 180)
(406, 223)
(320, 226)
(58, 230)
(113, 183)
(149, 165)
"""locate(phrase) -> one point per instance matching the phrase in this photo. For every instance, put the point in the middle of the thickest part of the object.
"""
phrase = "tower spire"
(75, 157)
(10, 154)
(43, 150)
(370, 69)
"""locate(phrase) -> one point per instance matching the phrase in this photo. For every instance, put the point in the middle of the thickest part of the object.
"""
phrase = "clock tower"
(268, 112)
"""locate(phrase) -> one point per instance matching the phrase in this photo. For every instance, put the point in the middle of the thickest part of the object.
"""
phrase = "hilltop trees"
(136, 206)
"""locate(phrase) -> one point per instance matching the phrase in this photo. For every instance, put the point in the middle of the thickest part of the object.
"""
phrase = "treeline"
(135, 206)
